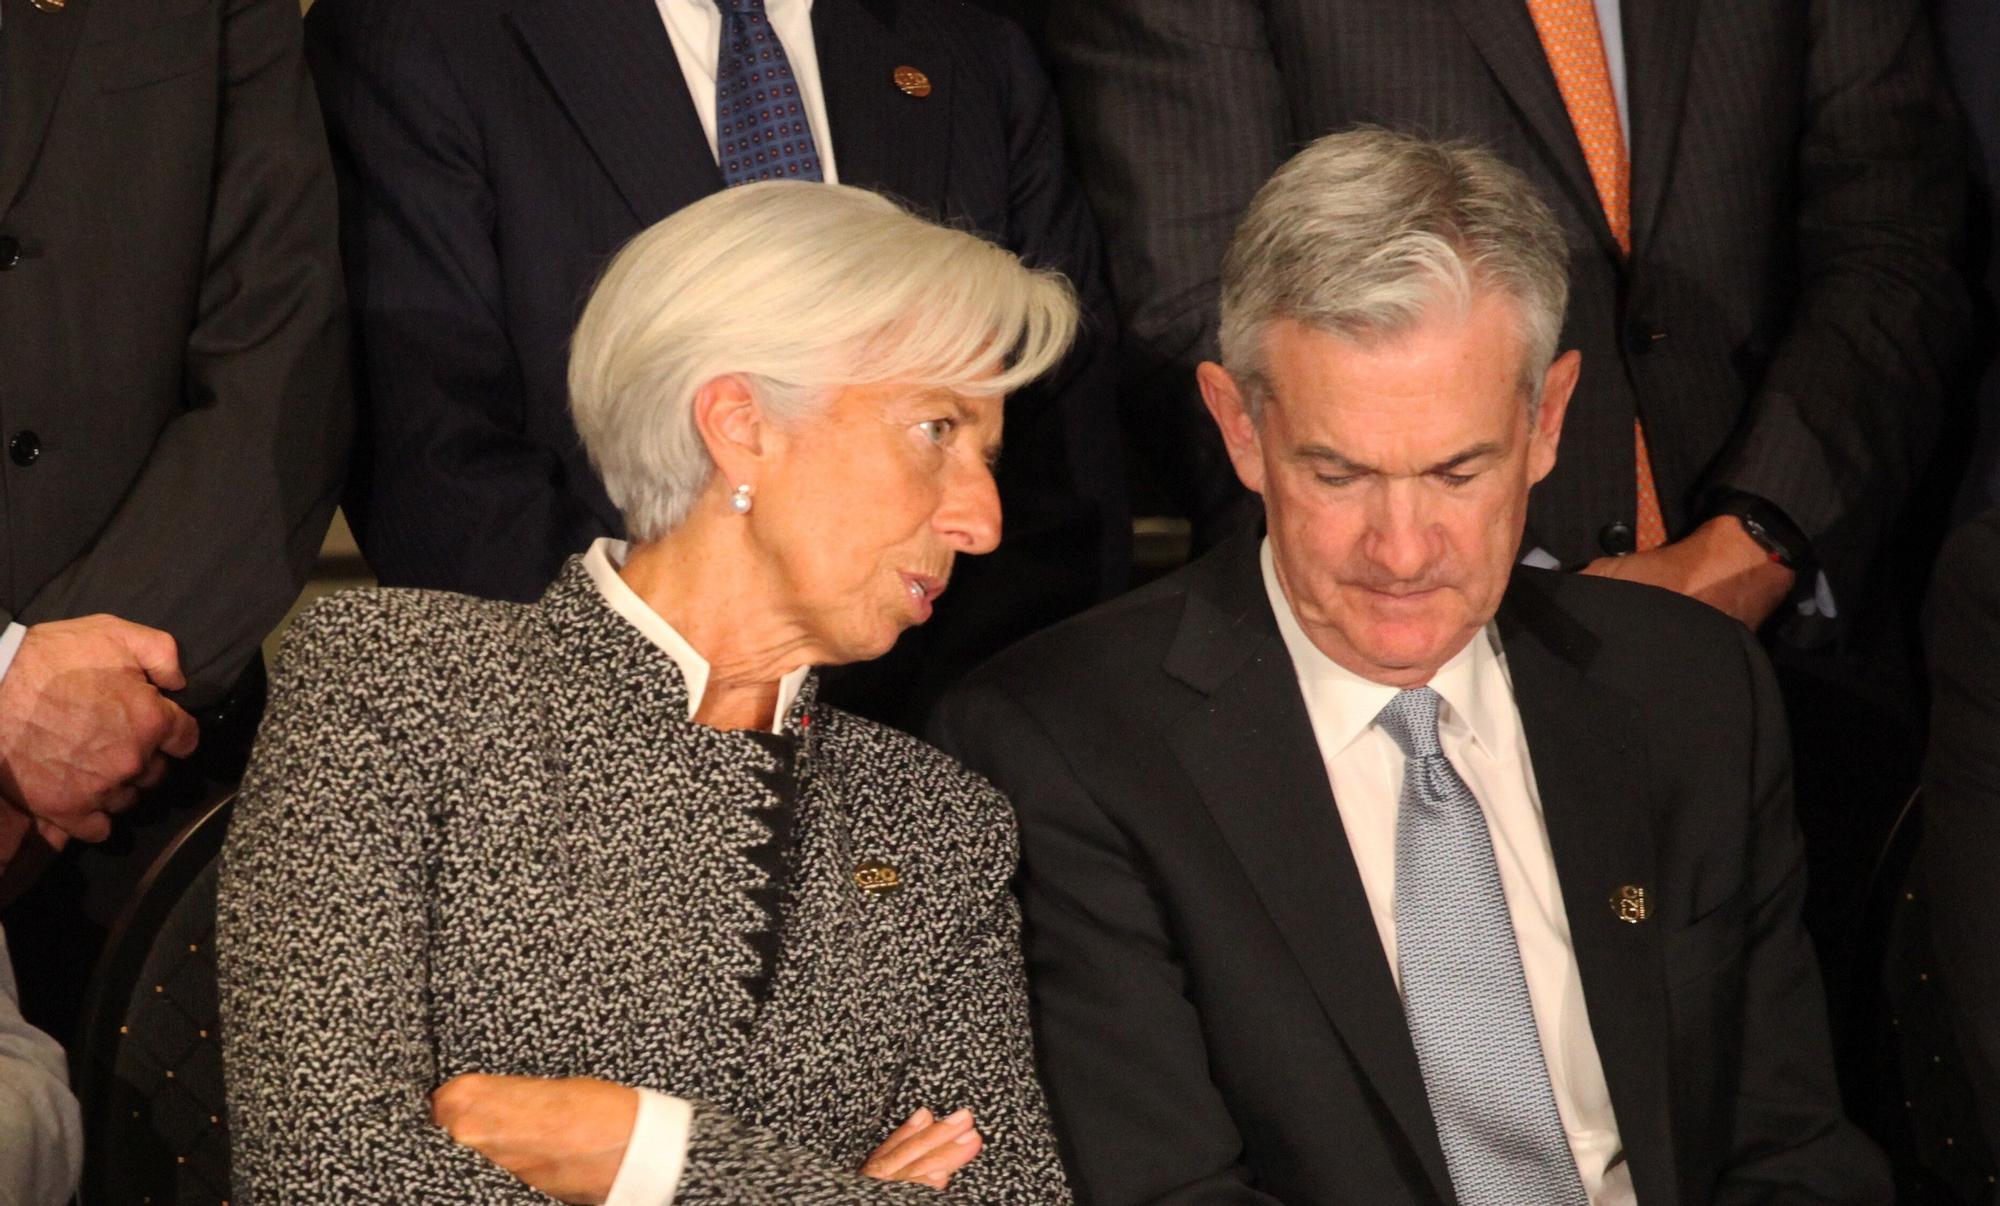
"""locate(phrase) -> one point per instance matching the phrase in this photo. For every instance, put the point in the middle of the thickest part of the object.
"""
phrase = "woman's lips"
(923, 591)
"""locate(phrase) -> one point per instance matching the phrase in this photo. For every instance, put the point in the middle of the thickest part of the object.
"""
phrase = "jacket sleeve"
(1787, 1140)
(1123, 1052)
(979, 1056)
(1178, 115)
(239, 488)
(322, 930)
(449, 490)
(1849, 410)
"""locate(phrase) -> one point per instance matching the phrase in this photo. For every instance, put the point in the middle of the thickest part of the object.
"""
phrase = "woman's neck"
(705, 580)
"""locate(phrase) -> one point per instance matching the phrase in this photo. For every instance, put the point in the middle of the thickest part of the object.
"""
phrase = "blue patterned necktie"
(761, 131)
(1465, 996)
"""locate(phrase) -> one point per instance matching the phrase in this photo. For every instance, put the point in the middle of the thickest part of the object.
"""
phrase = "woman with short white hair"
(591, 898)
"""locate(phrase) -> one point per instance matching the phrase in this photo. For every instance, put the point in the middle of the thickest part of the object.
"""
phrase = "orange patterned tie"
(1576, 55)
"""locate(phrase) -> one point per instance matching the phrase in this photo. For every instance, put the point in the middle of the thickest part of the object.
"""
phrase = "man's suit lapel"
(35, 52)
(883, 138)
(1251, 753)
(613, 69)
(1591, 775)
(1506, 38)
(1659, 39)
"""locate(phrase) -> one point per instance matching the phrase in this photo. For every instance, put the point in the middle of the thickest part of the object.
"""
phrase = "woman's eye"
(935, 430)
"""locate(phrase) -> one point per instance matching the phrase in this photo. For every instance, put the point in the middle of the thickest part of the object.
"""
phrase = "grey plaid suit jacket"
(1789, 308)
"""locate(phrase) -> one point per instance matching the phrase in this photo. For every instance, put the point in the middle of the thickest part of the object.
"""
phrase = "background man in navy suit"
(494, 153)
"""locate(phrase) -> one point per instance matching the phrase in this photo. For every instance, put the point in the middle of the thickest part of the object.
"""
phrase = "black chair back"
(1914, 1097)
(148, 1063)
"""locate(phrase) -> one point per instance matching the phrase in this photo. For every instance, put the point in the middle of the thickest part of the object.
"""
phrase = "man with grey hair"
(1362, 865)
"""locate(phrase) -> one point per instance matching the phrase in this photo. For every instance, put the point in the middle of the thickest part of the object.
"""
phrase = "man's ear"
(732, 427)
(1557, 386)
(1239, 431)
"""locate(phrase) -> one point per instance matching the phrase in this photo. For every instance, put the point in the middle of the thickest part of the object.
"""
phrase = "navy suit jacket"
(494, 154)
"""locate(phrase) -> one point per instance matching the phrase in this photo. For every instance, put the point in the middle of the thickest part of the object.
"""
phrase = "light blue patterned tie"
(1464, 995)
(761, 131)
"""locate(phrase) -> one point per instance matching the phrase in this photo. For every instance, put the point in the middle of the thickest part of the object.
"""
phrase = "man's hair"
(800, 290)
(1365, 232)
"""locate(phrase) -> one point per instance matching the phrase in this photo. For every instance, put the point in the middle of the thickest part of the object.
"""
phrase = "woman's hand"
(926, 1150)
(563, 1137)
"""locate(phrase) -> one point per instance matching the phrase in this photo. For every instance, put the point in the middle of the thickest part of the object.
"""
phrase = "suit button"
(10, 252)
(1616, 538)
(1641, 336)
(25, 448)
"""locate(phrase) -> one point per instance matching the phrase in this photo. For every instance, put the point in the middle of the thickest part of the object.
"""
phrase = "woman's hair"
(1363, 232)
(799, 290)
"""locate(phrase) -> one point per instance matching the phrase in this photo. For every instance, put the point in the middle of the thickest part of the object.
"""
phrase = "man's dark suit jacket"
(1217, 1020)
(495, 153)
(174, 390)
(1961, 843)
(1790, 303)
(173, 395)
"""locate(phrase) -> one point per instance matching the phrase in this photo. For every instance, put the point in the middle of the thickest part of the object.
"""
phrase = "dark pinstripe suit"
(1790, 301)
(494, 153)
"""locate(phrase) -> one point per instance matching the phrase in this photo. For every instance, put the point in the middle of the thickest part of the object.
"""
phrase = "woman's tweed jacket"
(484, 837)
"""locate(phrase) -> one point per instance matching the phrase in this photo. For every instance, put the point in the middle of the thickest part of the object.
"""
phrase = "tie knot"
(741, 8)
(1411, 720)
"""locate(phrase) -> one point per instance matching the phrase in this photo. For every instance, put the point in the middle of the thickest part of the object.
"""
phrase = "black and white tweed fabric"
(1464, 993)
(484, 837)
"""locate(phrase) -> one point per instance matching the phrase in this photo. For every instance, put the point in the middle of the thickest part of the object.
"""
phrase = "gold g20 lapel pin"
(50, 6)
(1629, 904)
(912, 82)
(877, 878)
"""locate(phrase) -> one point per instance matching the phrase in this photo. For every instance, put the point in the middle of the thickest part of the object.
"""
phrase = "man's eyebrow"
(1484, 448)
(1333, 458)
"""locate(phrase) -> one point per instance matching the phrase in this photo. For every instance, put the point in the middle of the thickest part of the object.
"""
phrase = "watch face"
(1766, 541)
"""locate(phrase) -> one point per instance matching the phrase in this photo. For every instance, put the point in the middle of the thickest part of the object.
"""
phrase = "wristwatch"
(1773, 531)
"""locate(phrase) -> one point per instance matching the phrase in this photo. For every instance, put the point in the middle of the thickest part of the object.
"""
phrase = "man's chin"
(1412, 646)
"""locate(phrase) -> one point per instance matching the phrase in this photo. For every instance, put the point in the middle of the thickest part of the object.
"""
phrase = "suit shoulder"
(384, 634)
(1652, 634)
(1113, 639)
(894, 757)
(931, 791)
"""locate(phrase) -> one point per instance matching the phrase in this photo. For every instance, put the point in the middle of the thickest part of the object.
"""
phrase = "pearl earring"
(739, 501)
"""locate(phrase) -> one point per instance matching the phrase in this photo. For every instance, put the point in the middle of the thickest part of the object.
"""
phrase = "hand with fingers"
(926, 1149)
(84, 727)
(1717, 563)
(567, 1137)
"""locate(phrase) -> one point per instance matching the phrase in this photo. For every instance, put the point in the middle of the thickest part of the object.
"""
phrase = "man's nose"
(1401, 534)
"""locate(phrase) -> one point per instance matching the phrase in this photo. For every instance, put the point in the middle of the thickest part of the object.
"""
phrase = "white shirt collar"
(602, 561)
(1474, 683)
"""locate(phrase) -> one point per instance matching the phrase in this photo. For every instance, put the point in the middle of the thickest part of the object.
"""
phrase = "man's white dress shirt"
(1479, 727)
(695, 27)
(657, 1148)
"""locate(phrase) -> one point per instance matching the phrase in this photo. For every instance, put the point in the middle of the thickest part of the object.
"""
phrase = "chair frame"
(94, 1057)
